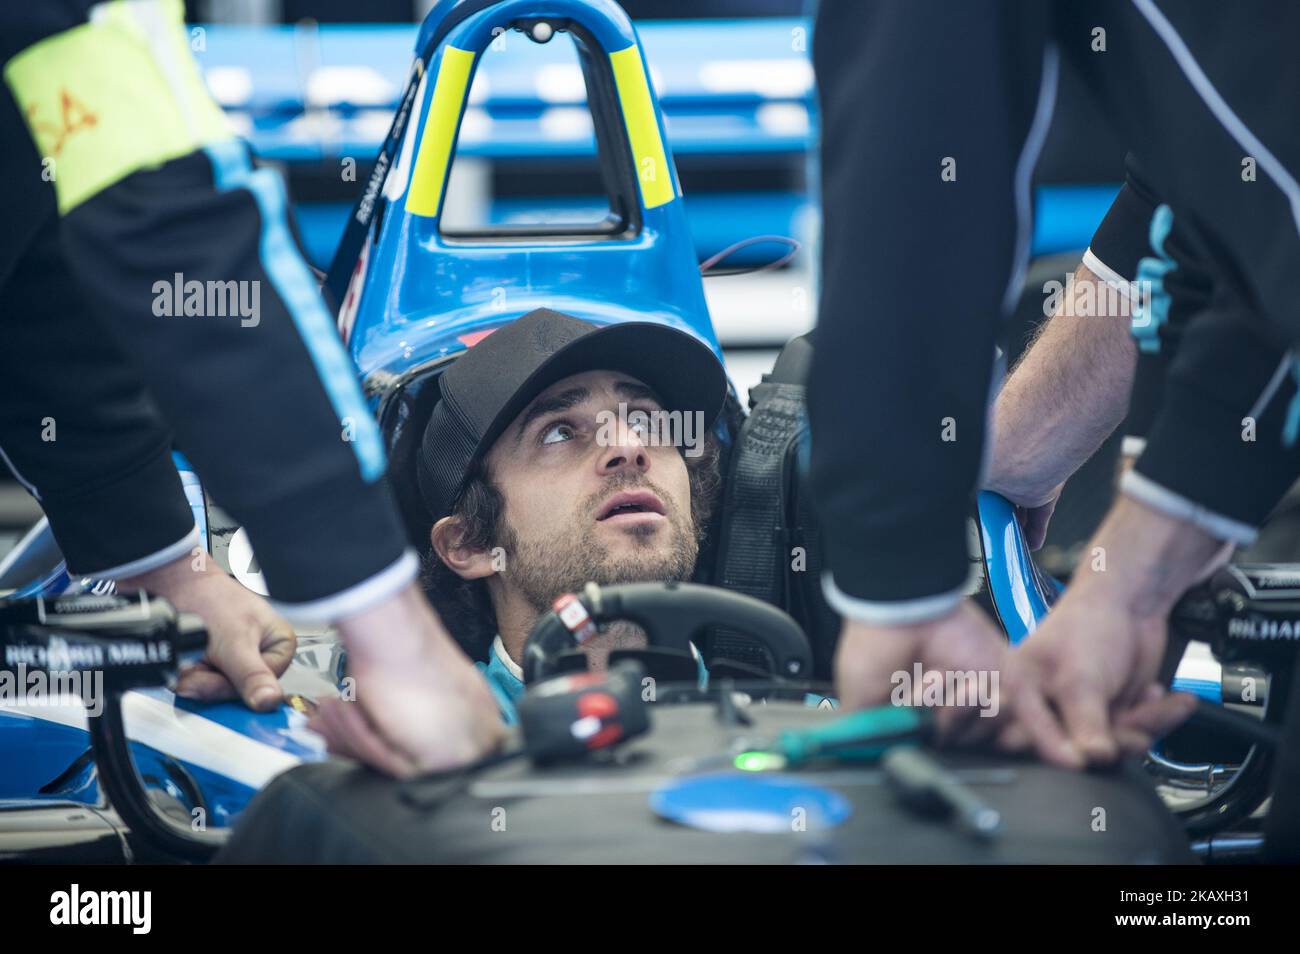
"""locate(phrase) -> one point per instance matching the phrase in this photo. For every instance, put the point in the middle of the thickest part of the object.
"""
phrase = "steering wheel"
(671, 614)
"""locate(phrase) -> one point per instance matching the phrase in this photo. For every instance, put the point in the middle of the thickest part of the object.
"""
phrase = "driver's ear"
(466, 562)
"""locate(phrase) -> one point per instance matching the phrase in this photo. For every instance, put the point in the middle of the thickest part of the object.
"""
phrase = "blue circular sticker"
(767, 803)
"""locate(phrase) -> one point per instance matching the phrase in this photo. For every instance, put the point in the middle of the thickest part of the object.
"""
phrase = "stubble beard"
(541, 570)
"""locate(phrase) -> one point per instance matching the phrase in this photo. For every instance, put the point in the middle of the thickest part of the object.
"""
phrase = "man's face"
(585, 500)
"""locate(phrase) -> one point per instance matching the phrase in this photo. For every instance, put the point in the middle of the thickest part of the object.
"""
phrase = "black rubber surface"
(337, 812)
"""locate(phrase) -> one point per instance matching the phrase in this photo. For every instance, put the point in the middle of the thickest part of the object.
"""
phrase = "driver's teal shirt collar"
(505, 678)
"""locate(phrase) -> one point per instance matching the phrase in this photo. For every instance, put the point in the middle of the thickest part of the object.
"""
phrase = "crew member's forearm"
(1066, 396)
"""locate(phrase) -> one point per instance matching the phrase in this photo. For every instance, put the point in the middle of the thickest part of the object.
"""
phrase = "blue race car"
(151, 776)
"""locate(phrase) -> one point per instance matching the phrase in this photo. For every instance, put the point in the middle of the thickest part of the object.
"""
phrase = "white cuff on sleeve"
(1107, 274)
(893, 612)
(355, 598)
(182, 547)
(1147, 491)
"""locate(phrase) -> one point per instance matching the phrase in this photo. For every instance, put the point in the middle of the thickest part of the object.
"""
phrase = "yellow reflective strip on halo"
(642, 130)
(434, 158)
(115, 95)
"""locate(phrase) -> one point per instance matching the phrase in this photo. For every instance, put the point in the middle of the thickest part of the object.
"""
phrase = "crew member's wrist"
(1016, 479)
(399, 631)
(165, 578)
(1022, 494)
(1143, 559)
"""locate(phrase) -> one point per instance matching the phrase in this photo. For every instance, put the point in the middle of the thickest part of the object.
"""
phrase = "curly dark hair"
(465, 606)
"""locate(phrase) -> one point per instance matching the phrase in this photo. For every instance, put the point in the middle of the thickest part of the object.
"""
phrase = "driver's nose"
(625, 452)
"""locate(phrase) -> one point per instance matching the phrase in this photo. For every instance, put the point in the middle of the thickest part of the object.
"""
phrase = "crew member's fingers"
(1084, 712)
(1159, 716)
(863, 671)
(1014, 738)
(967, 725)
(348, 732)
(201, 681)
(369, 746)
(1034, 521)
(279, 642)
(328, 723)
(324, 722)
(1050, 739)
(1132, 741)
(205, 682)
(243, 663)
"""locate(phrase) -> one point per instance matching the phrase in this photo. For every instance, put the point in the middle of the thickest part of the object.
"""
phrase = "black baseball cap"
(488, 385)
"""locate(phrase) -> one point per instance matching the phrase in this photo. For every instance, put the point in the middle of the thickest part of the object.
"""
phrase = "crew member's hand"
(419, 705)
(249, 644)
(1083, 686)
(874, 665)
(1034, 516)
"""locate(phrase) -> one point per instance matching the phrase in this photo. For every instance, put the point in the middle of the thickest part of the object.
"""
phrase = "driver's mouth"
(631, 506)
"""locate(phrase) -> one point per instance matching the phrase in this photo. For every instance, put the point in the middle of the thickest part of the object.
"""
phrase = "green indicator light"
(759, 761)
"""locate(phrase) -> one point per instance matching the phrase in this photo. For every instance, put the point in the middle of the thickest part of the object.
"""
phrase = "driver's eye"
(558, 433)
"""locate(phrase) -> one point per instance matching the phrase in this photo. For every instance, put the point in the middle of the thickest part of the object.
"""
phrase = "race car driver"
(152, 189)
(543, 467)
(960, 162)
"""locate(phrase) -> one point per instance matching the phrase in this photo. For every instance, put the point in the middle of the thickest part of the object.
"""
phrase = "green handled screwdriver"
(861, 736)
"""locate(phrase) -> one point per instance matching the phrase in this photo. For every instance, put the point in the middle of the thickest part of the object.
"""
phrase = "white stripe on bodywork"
(152, 720)
(1199, 663)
